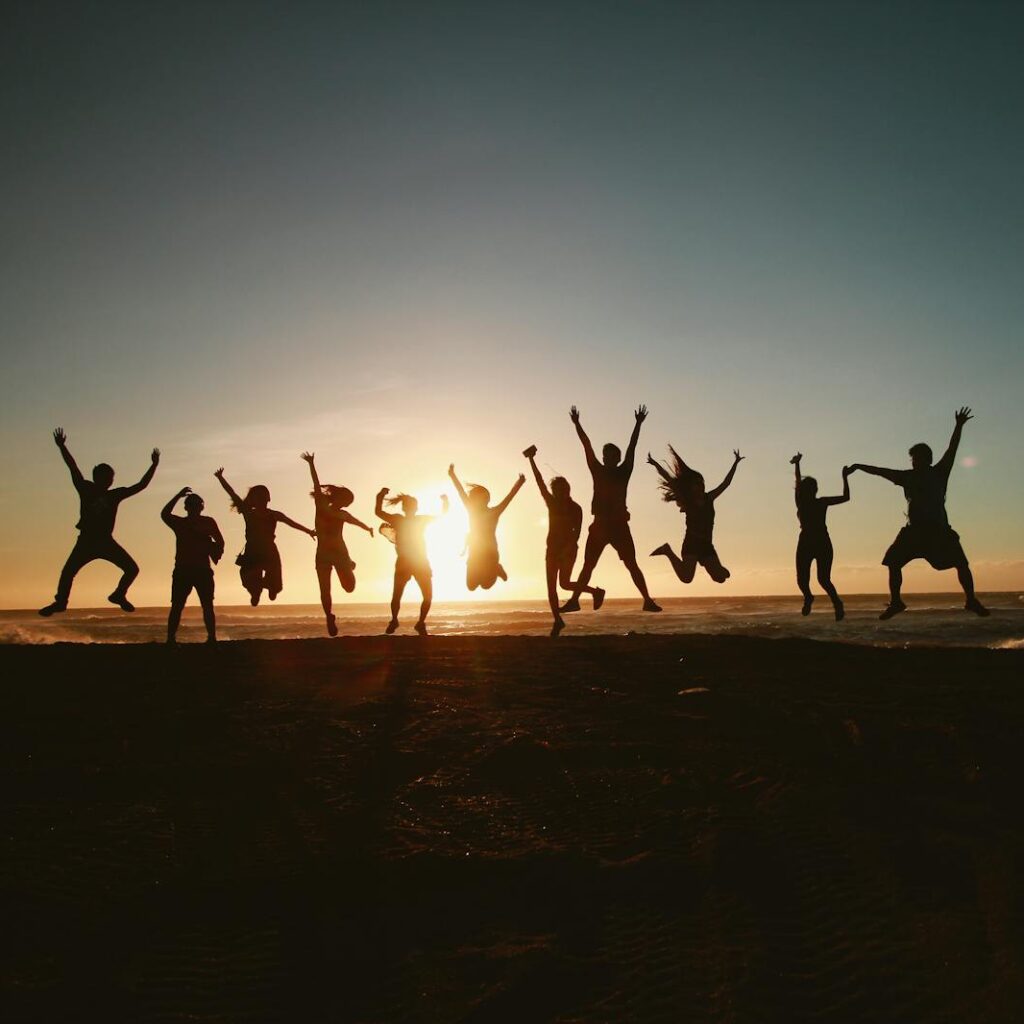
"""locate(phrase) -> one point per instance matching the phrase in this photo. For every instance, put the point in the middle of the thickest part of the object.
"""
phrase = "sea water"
(932, 619)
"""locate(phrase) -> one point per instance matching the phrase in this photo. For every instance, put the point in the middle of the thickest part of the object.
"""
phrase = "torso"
(196, 539)
(925, 490)
(98, 510)
(610, 486)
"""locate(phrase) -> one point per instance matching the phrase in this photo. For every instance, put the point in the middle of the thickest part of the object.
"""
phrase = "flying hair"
(683, 478)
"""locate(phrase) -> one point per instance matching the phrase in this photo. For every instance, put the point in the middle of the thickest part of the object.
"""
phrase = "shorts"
(184, 581)
(703, 552)
(938, 546)
(337, 559)
(562, 556)
(418, 571)
(615, 532)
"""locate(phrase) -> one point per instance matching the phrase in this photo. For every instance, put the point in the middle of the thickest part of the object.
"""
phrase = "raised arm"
(737, 459)
(458, 483)
(894, 476)
(962, 416)
(282, 518)
(588, 448)
(143, 483)
(166, 513)
(378, 508)
(309, 457)
(235, 499)
(662, 471)
(640, 415)
(795, 463)
(61, 440)
(504, 503)
(845, 496)
(531, 454)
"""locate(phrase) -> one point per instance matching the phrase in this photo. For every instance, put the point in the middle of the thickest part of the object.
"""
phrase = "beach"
(628, 828)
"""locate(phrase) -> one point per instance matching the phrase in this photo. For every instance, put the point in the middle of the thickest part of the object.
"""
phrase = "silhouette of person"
(98, 505)
(565, 522)
(408, 533)
(331, 551)
(685, 487)
(814, 544)
(611, 517)
(927, 534)
(483, 563)
(259, 563)
(197, 540)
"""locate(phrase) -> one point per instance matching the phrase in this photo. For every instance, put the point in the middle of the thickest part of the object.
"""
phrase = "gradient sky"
(406, 234)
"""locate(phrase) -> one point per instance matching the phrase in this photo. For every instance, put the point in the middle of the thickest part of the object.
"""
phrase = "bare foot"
(332, 625)
(557, 627)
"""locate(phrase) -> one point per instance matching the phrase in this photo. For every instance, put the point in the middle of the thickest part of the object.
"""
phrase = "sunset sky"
(401, 235)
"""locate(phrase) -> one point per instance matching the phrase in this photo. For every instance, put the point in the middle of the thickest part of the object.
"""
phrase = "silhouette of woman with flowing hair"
(198, 540)
(814, 544)
(685, 487)
(331, 550)
(483, 564)
(259, 563)
(407, 531)
(611, 475)
(565, 522)
(98, 505)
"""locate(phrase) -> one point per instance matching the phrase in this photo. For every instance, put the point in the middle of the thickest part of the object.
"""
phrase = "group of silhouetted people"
(199, 543)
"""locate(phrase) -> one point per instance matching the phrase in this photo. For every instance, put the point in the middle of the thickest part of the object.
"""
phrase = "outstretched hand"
(522, 479)
(795, 461)
(59, 437)
(737, 456)
(651, 460)
(574, 414)
(312, 534)
(308, 457)
(963, 415)
(219, 473)
(451, 469)
(847, 470)
(382, 492)
(641, 414)
(155, 456)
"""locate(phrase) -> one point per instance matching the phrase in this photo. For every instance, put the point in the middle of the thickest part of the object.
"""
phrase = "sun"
(446, 539)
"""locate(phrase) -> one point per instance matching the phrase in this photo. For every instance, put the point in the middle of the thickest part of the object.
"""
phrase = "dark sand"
(471, 829)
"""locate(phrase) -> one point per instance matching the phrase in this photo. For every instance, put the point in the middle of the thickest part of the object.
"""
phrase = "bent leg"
(685, 568)
(426, 585)
(129, 569)
(79, 557)
(347, 578)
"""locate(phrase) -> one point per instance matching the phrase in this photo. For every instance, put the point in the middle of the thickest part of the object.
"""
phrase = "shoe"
(806, 610)
(332, 626)
(663, 550)
(840, 611)
(421, 628)
(894, 608)
(598, 598)
(974, 605)
(121, 601)
(391, 627)
(52, 609)
(557, 627)
(572, 605)
(650, 606)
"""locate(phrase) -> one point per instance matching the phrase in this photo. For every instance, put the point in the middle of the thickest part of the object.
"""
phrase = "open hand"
(371, 531)
(522, 479)
(308, 457)
(963, 415)
(59, 437)
(574, 414)
(312, 533)
(795, 461)
(155, 456)
(737, 456)
(219, 473)
(651, 460)
(641, 414)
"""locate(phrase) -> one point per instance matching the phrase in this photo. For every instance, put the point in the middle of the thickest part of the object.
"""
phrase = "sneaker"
(121, 601)
(598, 598)
(332, 626)
(974, 605)
(421, 628)
(650, 606)
(806, 610)
(894, 609)
(557, 627)
(391, 627)
(52, 609)
(572, 605)
(840, 611)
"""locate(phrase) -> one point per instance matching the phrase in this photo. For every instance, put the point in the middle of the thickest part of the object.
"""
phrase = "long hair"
(683, 479)
(398, 499)
(258, 494)
(336, 495)
(806, 490)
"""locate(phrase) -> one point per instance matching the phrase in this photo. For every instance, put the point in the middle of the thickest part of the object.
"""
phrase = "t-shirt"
(410, 537)
(700, 522)
(329, 523)
(261, 526)
(610, 484)
(925, 490)
(812, 515)
(198, 540)
(564, 523)
(98, 509)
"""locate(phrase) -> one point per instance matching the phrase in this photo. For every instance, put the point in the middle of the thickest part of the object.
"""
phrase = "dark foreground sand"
(474, 829)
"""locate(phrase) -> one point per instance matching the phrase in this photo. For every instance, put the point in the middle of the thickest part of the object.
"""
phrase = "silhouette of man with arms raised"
(927, 534)
(99, 502)
(611, 517)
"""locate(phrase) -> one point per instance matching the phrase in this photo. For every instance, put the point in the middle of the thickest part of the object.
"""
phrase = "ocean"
(933, 620)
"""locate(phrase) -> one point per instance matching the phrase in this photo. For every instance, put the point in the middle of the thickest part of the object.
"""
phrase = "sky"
(404, 235)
